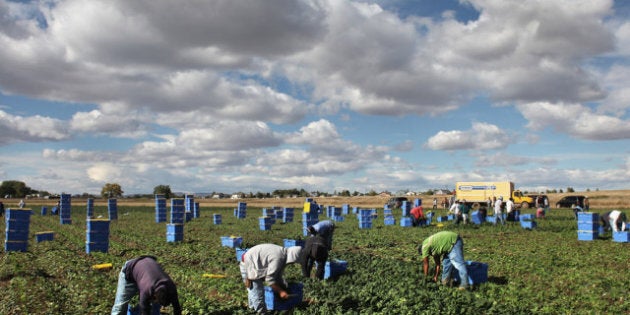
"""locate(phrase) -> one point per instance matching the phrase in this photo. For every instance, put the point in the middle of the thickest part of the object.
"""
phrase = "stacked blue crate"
(196, 211)
(174, 232)
(17, 223)
(90, 207)
(345, 209)
(332, 211)
(335, 268)
(269, 213)
(275, 303)
(355, 210)
(389, 219)
(279, 213)
(97, 235)
(189, 203)
(112, 208)
(287, 215)
(265, 223)
(477, 273)
(406, 208)
(178, 211)
(588, 226)
(160, 210)
(491, 219)
(387, 211)
(44, 210)
(527, 221)
(290, 242)
(338, 218)
(417, 202)
(365, 218)
(216, 219)
(308, 219)
(406, 222)
(241, 210)
(231, 241)
(44, 236)
(64, 209)
(450, 217)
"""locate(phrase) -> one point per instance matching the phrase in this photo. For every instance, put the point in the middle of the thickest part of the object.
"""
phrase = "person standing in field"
(315, 251)
(265, 263)
(1, 209)
(448, 247)
(417, 216)
(587, 204)
(325, 229)
(144, 276)
(498, 211)
(434, 203)
(613, 220)
(464, 210)
(509, 209)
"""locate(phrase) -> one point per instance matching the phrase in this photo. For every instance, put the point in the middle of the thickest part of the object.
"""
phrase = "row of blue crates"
(308, 219)
(97, 235)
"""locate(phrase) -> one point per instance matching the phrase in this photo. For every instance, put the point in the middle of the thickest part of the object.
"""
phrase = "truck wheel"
(524, 205)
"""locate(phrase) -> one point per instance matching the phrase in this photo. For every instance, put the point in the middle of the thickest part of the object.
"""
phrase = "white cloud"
(30, 129)
(576, 120)
(482, 136)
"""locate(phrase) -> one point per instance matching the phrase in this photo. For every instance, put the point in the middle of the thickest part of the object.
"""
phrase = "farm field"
(542, 271)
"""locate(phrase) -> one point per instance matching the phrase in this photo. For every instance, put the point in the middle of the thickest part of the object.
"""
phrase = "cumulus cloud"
(576, 120)
(30, 129)
(482, 136)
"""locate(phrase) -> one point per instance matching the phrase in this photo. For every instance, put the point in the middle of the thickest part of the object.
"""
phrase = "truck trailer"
(477, 193)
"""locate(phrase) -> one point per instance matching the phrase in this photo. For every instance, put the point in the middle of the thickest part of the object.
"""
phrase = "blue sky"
(324, 95)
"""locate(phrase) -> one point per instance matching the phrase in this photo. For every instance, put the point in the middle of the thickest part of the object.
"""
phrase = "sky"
(322, 95)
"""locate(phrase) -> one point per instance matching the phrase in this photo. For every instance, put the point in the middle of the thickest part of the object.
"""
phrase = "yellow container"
(307, 207)
(106, 266)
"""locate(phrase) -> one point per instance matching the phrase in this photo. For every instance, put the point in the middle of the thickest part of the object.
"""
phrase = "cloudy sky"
(329, 95)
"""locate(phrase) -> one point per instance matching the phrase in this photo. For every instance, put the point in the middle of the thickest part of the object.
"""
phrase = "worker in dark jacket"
(315, 251)
(144, 276)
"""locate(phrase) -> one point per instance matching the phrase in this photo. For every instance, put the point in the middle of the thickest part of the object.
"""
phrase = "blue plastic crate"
(275, 303)
(291, 243)
(587, 235)
(527, 217)
(621, 237)
(491, 219)
(389, 220)
(18, 214)
(97, 225)
(529, 225)
(443, 218)
(335, 268)
(16, 235)
(588, 226)
(174, 237)
(240, 252)
(96, 237)
(406, 222)
(96, 247)
(135, 310)
(175, 228)
(477, 273)
(365, 225)
(265, 227)
(15, 246)
(44, 236)
(588, 216)
(230, 241)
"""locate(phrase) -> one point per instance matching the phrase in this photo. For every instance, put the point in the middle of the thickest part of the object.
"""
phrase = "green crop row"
(542, 271)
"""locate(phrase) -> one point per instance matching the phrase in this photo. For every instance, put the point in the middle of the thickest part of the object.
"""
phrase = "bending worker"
(265, 263)
(144, 275)
(449, 247)
(315, 251)
(614, 220)
(417, 216)
(324, 229)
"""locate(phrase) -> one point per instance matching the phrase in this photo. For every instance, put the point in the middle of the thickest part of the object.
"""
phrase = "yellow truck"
(479, 192)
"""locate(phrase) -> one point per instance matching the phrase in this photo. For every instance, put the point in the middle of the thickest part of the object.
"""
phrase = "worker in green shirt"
(449, 247)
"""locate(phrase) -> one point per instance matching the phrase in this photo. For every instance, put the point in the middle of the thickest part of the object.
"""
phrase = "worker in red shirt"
(417, 216)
